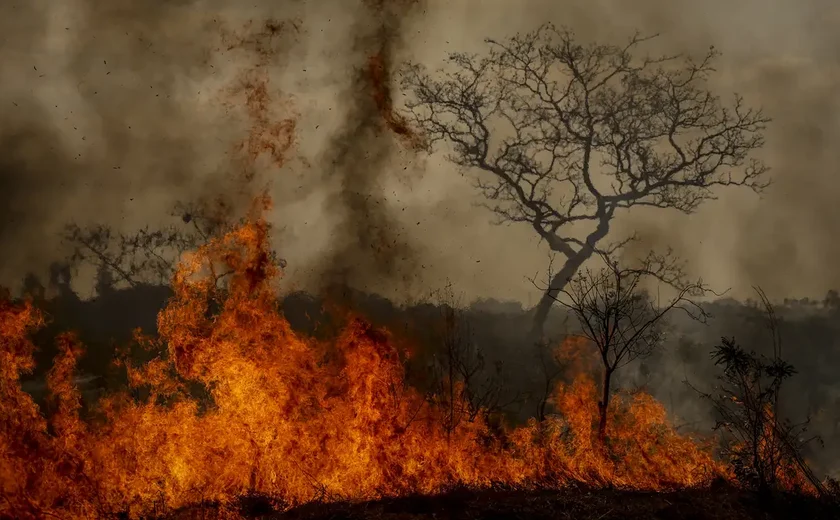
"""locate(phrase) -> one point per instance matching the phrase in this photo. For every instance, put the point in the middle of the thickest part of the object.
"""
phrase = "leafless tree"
(551, 369)
(565, 135)
(147, 255)
(621, 319)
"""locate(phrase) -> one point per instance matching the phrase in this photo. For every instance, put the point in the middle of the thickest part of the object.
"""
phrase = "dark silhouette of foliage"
(765, 449)
(149, 255)
(463, 383)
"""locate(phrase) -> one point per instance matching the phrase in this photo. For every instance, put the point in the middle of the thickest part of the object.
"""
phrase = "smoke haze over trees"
(565, 137)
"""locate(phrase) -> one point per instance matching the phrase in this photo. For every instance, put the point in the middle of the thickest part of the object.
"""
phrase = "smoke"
(115, 110)
(783, 57)
(104, 117)
(779, 55)
(370, 245)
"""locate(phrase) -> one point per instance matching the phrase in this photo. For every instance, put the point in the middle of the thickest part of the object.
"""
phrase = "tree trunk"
(556, 284)
(603, 407)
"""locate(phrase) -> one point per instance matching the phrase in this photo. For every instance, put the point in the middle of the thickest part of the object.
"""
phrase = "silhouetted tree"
(832, 300)
(551, 369)
(620, 318)
(145, 255)
(565, 136)
(149, 255)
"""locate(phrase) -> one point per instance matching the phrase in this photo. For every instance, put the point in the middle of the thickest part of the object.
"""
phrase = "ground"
(718, 503)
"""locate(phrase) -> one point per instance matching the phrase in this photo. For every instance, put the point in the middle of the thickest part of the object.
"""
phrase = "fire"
(285, 416)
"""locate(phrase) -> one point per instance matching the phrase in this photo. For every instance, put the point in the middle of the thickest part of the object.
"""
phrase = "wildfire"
(285, 416)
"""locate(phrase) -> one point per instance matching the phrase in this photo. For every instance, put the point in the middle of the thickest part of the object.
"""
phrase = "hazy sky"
(113, 110)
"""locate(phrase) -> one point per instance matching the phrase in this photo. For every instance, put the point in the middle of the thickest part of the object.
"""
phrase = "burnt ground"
(717, 503)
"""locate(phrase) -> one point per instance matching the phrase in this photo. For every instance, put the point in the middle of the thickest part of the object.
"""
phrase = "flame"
(772, 454)
(389, 14)
(286, 416)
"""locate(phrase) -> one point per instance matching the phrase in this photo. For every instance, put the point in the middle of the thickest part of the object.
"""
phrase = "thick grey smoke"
(118, 109)
(371, 247)
(106, 119)
(112, 111)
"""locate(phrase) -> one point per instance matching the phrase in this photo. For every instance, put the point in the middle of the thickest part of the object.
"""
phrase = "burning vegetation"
(236, 404)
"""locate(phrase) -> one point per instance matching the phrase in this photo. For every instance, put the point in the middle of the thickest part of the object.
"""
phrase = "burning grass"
(288, 417)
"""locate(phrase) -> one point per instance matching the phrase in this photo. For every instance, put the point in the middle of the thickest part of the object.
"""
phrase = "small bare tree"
(621, 319)
(551, 369)
(565, 136)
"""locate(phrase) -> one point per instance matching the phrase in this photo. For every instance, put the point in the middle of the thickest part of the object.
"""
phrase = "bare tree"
(621, 319)
(551, 369)
(565, 135)
(147, 255)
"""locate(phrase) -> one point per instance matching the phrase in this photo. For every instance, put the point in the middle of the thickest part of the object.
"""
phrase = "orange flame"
(285, 416)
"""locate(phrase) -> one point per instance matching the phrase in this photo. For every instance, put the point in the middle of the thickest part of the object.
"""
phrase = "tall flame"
(285, 416)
